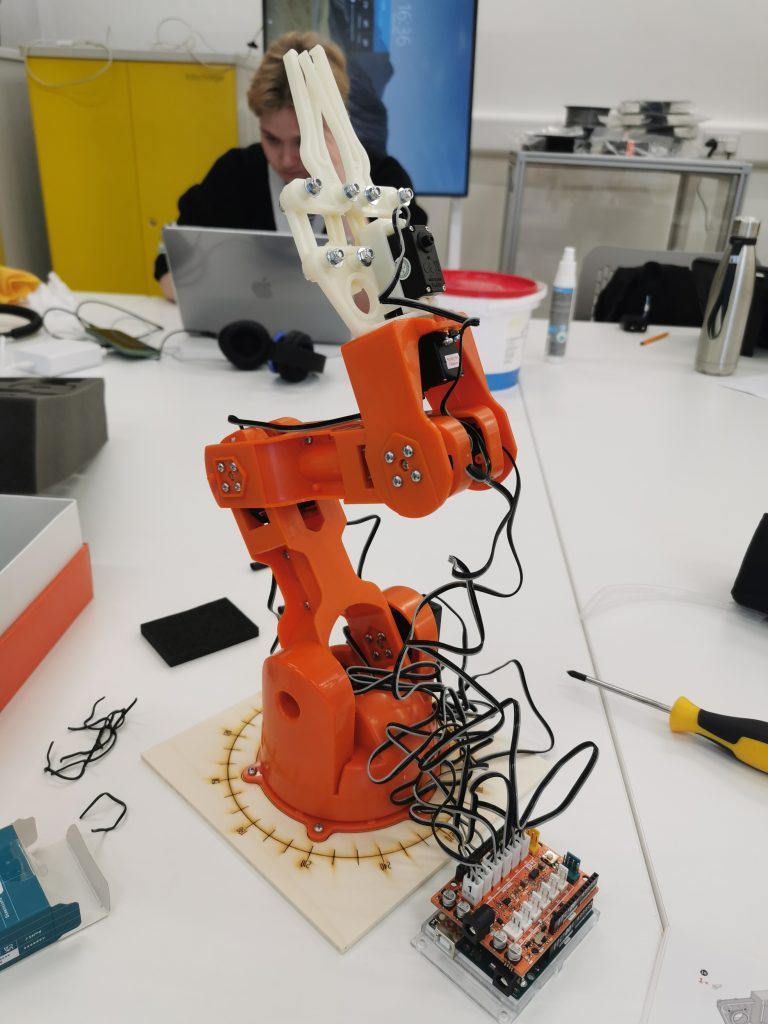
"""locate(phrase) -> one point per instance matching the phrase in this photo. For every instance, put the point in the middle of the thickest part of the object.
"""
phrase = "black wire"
(289, 427)
(119, 818)
(376, 519)
(105, 728)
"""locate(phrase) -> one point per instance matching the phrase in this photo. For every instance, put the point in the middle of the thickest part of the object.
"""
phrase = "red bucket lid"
(485, 284)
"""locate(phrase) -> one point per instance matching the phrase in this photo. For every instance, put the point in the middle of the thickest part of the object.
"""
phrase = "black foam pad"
(751, 586)
(198, 631)
(245, 343)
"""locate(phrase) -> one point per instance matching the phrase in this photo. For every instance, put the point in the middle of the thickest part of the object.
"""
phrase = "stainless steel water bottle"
(729, 302)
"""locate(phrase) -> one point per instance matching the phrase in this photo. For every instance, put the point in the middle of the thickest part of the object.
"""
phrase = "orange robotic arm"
(284, 483)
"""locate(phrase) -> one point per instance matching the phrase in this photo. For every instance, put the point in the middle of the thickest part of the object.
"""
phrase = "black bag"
(668, 291)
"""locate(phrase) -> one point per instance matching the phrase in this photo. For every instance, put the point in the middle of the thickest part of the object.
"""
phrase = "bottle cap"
(569, 254)
(745, 227)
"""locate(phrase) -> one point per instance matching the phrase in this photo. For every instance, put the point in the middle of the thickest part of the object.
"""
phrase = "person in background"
(242, 189)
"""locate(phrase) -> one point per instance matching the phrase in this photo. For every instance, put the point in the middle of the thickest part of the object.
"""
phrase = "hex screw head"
(389, 457)
(307, 605)
(335, 257)
(308, 440)
(233, 467)
(251, 771)
(397, 481)
(373, 193)
(225, 487)
(365, 255)
(415, 476)
(351, 190)
(381, 637)
(318, 828)
(220, 466)
(376, 655)
(405, 195)
(238, 488)
(387, 653)
(313, 185)
(407, 450)
(368, 638)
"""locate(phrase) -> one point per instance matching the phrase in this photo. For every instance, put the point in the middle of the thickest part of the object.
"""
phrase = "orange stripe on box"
(30, 637)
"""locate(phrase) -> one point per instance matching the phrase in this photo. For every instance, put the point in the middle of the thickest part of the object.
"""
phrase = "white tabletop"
(194, 930)
(656, 478)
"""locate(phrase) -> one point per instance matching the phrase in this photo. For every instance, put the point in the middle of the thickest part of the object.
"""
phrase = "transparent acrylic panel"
(642, 208)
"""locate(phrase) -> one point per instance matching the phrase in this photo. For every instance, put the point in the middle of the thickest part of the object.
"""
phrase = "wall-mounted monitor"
(411, 65)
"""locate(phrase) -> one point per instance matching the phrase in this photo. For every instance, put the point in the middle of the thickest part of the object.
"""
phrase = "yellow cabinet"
(116, 149)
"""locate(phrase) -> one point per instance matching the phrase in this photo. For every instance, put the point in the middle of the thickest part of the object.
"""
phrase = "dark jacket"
(235, 194)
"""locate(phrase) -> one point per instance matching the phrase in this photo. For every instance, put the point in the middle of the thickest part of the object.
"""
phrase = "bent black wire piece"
(120, 816)
(106, 737)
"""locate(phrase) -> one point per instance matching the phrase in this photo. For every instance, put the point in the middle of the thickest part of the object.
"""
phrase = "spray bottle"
(562, 304)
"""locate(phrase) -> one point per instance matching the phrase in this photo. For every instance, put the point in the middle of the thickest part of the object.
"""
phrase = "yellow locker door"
(184, 117)
(88, 173)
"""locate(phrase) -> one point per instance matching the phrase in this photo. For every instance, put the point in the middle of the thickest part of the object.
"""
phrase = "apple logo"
(262, 289)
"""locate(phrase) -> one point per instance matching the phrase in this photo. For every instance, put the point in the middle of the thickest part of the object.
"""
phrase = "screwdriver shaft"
(622, 693)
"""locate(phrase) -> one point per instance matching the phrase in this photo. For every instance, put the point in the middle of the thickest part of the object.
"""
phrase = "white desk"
(656, 477)
(194, 932)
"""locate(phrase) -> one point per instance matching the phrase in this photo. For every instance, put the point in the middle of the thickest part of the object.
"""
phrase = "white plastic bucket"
(503, 303)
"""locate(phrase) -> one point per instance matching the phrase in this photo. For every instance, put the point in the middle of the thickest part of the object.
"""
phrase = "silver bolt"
(318, 828)
(220, 466)
(335, 256)
(387, 653)
(351, 190)
(389, 457)
(233, 467)
(397, 481)
(407, 451)
(368, 638)
(286, 554)
(251, 771)
(313, 185)
(415, 476)
(238, 488)
(365, 255)
(373, 193)
(405, 195)
(307, 605)
(376, 655)
(381, 637)
(225, 487)
(308, 440)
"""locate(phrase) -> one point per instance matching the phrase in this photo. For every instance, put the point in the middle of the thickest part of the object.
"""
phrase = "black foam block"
(198, 631)
(751, 586)
(49, 427)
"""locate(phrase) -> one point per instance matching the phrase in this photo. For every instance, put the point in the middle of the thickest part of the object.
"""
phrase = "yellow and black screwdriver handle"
(746, 738)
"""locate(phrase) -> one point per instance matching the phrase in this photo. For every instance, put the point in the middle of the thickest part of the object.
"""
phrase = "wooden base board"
(344, 885)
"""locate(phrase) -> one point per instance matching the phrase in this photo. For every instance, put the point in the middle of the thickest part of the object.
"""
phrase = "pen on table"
(656, 337)
(745, 738)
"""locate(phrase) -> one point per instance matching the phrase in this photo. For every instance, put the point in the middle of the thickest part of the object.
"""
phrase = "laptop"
(222, 275)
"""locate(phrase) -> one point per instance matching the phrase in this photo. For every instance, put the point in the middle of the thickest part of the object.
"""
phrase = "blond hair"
(269, 89)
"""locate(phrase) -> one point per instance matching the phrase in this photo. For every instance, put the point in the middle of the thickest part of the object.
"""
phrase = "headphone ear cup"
(245, 343)
(294, 357)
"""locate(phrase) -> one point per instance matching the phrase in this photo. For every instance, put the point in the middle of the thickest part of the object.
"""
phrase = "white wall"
(532, 59)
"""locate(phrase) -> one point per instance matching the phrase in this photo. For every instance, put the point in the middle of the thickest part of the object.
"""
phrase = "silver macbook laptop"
(222, 275)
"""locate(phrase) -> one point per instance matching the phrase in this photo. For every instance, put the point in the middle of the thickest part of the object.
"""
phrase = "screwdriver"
(745, 738)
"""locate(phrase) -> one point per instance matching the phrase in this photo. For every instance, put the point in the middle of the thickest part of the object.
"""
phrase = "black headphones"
(247, 344)
(35, 321)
